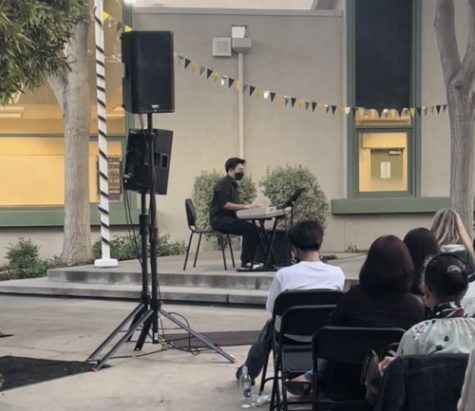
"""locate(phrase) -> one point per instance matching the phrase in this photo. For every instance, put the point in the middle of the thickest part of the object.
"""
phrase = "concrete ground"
(70, 329)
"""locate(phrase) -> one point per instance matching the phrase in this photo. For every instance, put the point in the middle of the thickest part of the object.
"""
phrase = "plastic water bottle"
(246, 388)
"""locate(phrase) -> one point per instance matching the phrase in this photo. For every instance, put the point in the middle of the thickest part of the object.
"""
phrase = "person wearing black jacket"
(225, 203)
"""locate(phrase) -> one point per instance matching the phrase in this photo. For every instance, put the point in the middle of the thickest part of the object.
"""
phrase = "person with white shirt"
(310, 272)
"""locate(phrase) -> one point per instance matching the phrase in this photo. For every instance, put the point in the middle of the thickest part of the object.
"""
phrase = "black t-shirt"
(225, 190)
(359, 309)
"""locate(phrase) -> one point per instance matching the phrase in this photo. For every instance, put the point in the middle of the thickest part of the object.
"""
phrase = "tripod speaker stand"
(147, 313)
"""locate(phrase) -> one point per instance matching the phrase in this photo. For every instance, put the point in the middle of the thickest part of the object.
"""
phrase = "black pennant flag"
(380, 111)
(444, 107)
(314, 106)
(418, 109)
(438, 107)
(208, 73)
(272, 96)
(231, 81)
(251, 90)
(293, 100)
(187, 63)
(333, 109)
(354, 110)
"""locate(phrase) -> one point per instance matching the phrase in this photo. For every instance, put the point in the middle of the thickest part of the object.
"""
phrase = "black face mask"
(239, 175)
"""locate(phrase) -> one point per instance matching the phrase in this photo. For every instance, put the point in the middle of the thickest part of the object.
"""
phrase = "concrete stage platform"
(207, 283)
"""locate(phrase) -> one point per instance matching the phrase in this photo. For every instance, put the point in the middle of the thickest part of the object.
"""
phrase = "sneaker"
(249, 266)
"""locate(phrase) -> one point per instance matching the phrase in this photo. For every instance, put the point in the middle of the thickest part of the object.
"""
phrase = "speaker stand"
(149, 310)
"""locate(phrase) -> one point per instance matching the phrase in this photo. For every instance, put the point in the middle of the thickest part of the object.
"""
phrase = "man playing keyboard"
(223, 209)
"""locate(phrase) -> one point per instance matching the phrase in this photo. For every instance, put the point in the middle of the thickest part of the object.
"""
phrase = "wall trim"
(402, 205)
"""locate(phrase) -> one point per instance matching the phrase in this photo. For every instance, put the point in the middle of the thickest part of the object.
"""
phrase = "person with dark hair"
(382, 298)
(310, 272)
(422, 244)
(225, 203)
(448, 329)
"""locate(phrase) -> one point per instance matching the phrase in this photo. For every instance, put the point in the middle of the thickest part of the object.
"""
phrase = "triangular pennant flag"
(208, 73)
(230, 82)
(216, 76)
(272, 96)
(293, 100)
(224, 80)
(347, 110)
(104, 15)
(194, 66)
(244, 88)
(237, 85)
(307, 105)
(432, 109)
(412, 111)
(379, 111)
(444, 107)
(327, 108)
(314, 106)
(259, 93)
(127, 29)
(120, 26)
(418, 110)
(251, 90)
(424, 110)
(187, 63)
(202, 70)
(438, 107)
(179, 59)
(333, 109)
(286, 100)
(266, 94)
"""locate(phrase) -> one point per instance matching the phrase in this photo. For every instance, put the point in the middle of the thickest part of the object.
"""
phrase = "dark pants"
(230, 225)
(258, 351)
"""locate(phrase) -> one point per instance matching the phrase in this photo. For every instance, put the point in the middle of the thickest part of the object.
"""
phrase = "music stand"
(149, 310)
(291, 203)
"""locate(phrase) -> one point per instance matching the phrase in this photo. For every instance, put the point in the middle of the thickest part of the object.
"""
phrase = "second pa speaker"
(148, 84)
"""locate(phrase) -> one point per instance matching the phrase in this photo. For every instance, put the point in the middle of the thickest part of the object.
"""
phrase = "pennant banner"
(285, 100)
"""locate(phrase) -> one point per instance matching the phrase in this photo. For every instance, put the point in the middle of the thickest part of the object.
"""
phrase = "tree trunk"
(458, 78)
(461, 153)
(72, 93)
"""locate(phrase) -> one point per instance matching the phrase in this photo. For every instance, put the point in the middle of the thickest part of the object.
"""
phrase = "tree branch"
(467, 72)
(446, 39)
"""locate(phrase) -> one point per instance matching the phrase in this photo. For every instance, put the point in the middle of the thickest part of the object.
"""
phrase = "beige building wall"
(297, 54)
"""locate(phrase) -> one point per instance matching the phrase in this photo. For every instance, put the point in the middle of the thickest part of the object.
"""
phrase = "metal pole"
(106, 260)
(241, 104)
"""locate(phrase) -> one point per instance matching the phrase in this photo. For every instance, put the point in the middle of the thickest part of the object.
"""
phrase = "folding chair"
(345, 348)
(291, 298)
(224, 238)
(293, 350)
(423, 383)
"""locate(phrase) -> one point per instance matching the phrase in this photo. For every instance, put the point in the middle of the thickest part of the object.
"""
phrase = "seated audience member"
(449, 232)
(421, 244)
(382, 298)
(310, 272)
(467, 399)
(448, 329)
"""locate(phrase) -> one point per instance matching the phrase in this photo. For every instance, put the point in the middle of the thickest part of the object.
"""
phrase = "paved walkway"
(163, 380)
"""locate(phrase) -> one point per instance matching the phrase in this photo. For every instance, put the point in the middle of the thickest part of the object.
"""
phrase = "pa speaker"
(148, 83)
(137, 172)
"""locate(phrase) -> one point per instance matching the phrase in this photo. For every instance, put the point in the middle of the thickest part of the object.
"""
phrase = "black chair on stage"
(345, 349)
(222, 237)
(293, 347)
(423, 383)
(291, 298)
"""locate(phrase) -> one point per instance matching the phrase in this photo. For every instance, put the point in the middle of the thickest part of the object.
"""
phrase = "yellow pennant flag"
(194, 66)
(105, 15)
(127, 29)
(216, 76)
(237, 85)
(279, 98)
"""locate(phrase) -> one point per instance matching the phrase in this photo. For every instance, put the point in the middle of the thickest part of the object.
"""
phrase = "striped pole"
(106, 260)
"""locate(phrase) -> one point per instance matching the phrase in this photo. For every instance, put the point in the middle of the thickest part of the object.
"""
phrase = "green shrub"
(24, 261)
(124, 248)
(280, 183)
(203, 194)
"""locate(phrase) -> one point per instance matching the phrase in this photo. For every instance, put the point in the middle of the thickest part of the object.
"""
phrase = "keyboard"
(261, 213)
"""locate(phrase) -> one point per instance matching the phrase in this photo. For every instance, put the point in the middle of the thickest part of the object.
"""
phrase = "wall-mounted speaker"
(148, 84)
